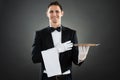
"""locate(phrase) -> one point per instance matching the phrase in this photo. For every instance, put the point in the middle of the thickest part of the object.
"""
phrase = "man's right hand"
(62, 47)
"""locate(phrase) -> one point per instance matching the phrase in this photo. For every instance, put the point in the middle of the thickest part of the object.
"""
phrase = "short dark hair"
(55, 3)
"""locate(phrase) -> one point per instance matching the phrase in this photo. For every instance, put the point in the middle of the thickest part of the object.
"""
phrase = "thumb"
(68, 42)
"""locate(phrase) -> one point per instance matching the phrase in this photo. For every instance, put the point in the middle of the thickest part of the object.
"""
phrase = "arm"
(75, 50)
(36, 51)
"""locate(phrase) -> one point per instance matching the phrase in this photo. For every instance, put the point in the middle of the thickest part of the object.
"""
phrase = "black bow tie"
(53, 29)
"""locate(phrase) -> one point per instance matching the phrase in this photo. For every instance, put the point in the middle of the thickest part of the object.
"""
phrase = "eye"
(51, 11)
(57, 11)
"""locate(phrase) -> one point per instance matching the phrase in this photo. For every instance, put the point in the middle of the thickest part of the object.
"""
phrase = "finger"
(70, 45)
(69, 48)
(87, 49)
(68, 42)
(80, 48)
(84, 49)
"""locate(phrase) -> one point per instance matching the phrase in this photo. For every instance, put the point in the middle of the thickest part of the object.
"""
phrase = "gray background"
(96, 21)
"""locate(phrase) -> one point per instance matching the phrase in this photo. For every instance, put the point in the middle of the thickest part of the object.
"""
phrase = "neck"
(55, 25)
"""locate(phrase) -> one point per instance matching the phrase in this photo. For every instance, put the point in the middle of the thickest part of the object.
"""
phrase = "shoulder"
(44, 30)
(68, 29)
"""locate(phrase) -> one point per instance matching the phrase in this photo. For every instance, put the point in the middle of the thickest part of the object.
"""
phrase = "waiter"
(57, 39)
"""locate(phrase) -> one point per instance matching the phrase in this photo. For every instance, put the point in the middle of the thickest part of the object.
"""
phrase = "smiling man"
(54, 14)
(56, 40)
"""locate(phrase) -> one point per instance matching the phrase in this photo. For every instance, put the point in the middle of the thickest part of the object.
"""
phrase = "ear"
(46, 13)
(62, 13)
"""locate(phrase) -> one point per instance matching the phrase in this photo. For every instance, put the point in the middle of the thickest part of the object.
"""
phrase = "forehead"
(54, 7)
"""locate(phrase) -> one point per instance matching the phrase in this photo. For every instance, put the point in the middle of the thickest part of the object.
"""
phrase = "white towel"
(51, 62)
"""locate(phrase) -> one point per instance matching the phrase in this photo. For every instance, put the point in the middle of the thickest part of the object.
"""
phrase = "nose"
(54, 13)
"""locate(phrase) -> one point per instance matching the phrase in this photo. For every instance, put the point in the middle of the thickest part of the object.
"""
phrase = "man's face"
(54, 14)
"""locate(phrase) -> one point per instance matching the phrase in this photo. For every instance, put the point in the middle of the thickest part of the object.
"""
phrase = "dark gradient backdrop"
(96, 21)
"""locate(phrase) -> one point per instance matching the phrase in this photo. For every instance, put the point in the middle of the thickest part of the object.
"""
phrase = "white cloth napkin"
(51, 62)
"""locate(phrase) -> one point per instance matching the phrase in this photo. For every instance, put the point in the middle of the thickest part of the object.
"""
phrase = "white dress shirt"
(56, 36)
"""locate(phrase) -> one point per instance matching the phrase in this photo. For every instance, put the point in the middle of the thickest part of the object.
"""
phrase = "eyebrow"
(55, 10)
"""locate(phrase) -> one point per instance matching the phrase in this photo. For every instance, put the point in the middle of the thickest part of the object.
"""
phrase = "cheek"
(58, 15)
(49, 16)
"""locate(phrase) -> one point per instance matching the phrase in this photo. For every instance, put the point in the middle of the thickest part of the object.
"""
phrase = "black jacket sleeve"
(75, 50)
(36, 49)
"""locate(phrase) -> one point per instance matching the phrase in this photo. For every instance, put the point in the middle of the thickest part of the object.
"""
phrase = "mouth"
(54, 19)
